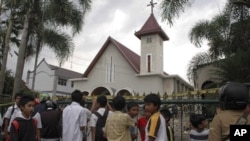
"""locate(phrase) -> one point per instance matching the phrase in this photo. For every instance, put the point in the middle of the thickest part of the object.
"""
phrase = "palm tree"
(9, 35)
(229, 43)
(58, 13)
(171, 9)
(197, 61)
(217, 32)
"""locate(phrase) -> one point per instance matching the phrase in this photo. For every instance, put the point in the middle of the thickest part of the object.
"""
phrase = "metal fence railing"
(180, 121)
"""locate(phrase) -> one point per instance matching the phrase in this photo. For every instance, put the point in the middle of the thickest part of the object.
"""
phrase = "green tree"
(171, 9)
(8, 33)
(228, 39)
(58, 13)
(197, 61)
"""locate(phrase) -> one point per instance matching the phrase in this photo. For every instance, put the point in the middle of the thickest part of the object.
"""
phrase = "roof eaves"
(94, 61)
(118, 45)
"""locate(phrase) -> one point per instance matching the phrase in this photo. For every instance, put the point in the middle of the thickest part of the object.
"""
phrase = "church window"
(110, 71)
(62, 82)
(149, 40)
(149, 62)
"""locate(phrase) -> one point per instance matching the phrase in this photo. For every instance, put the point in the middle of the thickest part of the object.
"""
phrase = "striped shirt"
(199, 136)
(156, 128)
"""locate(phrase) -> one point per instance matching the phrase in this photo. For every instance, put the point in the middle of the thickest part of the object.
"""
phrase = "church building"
(116, 70)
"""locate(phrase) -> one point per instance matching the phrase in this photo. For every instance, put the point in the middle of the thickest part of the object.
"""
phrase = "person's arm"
(93, 107)
(37, 117)
(93, 130)
(6, 124)
(13, 134)
(151, 138)
(38, 134)
(6, 121)
(109, 107)
(215, 130)
(83, 119)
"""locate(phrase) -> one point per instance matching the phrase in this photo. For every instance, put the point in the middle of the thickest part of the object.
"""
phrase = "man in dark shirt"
(51, 122)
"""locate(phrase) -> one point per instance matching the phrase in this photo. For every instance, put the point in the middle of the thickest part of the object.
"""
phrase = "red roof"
(151, 27)
(132, 58)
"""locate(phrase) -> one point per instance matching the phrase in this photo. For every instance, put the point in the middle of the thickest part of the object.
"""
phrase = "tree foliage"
(228, 37)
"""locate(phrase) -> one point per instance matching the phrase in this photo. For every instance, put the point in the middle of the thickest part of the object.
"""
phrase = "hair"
(196, 119)
(102, 99)
(166, 113)
(153, 98)
(25, 99)
(131, 105)
(119, 103)
(20, 94)
(50, 104)
(76, 96)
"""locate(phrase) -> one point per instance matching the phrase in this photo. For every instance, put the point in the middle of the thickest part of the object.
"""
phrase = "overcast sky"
(120, 19)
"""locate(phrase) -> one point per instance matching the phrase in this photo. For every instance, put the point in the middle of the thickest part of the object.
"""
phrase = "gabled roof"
(65, 73)
(151, 27)
(132, 58)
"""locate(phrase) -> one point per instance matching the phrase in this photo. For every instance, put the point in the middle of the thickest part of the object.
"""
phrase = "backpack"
(101, 121)
(12, 111)
(16, 124)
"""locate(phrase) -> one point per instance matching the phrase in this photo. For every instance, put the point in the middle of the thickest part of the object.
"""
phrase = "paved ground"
(181, 135)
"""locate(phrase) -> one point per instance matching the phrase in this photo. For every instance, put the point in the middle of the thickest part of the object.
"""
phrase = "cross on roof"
(152, 4)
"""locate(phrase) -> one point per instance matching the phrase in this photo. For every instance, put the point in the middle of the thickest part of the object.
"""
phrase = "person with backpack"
(98, 119)
(24, 127)
(9, 115)
(233, 100)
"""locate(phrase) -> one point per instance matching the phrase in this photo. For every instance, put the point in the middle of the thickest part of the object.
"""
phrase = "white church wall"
(205, 74)
(44, 78)
(154, 47)
(169, 86)
(124, 76)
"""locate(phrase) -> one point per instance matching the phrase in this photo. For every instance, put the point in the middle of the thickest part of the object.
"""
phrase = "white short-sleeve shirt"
(74, 117)
(94, 118)
(37, 117)
(13, 116)
(156, 127)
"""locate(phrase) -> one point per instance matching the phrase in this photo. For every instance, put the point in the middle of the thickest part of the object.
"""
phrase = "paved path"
(180, 135)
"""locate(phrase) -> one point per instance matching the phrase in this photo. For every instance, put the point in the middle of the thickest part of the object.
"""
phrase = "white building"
(52, 79)
(118, 70)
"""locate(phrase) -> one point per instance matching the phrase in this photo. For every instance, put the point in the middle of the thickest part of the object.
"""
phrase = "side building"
(52, 80)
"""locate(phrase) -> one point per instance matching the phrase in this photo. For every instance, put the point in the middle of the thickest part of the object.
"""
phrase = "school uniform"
(25, 131)
(93, 120)
(74, 117)
(9, 115)
(156, 128)
(87, 130)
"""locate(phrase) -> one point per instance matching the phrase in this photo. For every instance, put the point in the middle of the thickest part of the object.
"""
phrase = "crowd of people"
(118, 120)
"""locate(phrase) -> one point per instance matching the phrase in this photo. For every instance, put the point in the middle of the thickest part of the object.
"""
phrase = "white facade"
(205, 75)
(51, 79)
(151, 50)
(118, 70)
